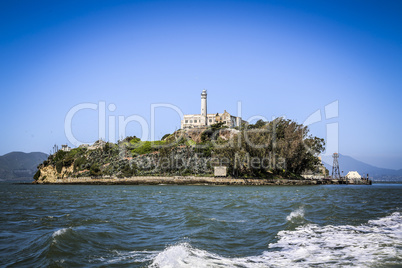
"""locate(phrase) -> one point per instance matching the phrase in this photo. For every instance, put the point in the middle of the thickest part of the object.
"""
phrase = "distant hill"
(347, 163)
(19, 165)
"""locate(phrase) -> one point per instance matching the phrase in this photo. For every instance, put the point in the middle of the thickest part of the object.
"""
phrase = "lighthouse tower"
(204, 108)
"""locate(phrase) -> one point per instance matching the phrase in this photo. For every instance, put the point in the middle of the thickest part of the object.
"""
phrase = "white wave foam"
(183, 255)
(379, 242)
(136, 256)
(346, 245)
(298, 213)
(59, 232)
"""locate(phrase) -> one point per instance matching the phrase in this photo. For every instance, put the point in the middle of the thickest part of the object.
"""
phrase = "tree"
(259, 124)
(95, 170)
(37, 175)
(212, 132)
(281, 147)
(165, 136)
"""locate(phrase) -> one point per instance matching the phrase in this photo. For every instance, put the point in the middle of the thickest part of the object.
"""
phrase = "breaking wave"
(59, 232)
(376, 243)
(298, 213)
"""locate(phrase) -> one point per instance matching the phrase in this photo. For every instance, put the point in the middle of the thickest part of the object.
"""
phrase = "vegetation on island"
(279, 148)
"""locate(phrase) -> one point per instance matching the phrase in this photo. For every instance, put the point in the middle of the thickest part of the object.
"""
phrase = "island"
(219, 149)
(264, 153)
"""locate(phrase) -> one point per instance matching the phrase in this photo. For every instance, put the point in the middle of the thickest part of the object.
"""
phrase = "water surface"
(200, 226)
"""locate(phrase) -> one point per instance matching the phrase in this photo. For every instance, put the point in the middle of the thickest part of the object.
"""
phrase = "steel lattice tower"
(335, 167)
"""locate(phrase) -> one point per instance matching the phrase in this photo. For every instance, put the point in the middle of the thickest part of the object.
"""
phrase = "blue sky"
(278, 58)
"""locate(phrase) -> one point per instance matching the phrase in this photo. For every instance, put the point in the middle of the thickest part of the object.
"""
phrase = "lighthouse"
(203, 119)
(204, 108)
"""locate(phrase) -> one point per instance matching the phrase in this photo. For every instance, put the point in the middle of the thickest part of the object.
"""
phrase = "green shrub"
(165, 136)
(212, 132)
(109, 148)
(206, 135)
(127, 171)
(59, 166)
(77, 152)
(95, 170)
(68, 160)
(37, 175)
(158, 143)
(79, 162)
(134, 140)
(60, 155)
(143, 148)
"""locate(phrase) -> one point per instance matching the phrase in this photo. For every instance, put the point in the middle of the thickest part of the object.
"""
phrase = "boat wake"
(376, 243)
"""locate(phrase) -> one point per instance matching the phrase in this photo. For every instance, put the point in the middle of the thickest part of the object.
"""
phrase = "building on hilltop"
(204, 119)
(65, 148)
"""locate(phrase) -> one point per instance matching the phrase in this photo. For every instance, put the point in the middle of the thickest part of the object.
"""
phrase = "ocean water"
(200, 226)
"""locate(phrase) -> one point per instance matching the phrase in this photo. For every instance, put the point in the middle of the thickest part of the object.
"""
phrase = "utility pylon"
(335, 167)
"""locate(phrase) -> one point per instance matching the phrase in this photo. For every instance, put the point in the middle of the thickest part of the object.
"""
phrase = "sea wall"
(177, 180)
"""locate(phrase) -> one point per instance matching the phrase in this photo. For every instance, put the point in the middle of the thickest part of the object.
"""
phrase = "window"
(195, 121)
(186, 121)
(210, 120)
(191, 121)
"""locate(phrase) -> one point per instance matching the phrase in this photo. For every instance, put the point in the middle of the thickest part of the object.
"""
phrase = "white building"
(353, 175)
(204, 119)
(65, 148)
